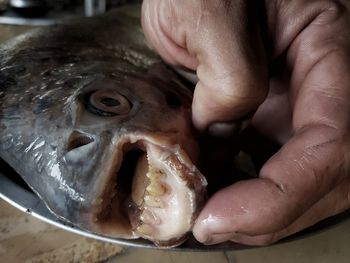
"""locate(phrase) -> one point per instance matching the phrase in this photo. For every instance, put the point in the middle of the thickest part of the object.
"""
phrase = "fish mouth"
(154, 191)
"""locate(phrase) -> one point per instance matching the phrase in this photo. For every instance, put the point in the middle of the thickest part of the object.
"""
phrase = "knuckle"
(241, 96)
(333, 7)
(329, 11)
(237, 87)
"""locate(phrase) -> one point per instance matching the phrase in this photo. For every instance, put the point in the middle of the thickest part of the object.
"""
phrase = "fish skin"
(45, 76)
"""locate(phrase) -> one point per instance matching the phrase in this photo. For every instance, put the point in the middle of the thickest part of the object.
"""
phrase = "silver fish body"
(100, 129)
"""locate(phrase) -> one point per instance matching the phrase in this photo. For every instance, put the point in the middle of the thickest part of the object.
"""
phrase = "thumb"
(222, 41)
(283, 198)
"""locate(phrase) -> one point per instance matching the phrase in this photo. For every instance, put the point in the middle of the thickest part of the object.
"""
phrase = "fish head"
(126, 155)
(101, 130)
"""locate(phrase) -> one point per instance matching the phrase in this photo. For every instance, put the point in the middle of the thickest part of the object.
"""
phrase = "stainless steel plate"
(15, 192)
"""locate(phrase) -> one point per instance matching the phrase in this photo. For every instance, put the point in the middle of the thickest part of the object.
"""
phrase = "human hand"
(307, 109)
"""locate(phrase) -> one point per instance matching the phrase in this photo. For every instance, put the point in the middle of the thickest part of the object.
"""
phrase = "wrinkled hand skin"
(289, 63)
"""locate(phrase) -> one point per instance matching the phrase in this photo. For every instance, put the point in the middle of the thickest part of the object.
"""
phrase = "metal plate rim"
(28, 202)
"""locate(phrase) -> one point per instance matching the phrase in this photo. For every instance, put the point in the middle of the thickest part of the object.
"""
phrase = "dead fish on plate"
(100, 129)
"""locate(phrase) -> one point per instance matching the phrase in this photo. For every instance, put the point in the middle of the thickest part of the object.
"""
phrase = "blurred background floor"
(24, 238)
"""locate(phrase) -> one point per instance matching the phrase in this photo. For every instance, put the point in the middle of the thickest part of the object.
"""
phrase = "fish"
(100, 129)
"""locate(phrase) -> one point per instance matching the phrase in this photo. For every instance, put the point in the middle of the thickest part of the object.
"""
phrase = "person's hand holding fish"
(288, 63)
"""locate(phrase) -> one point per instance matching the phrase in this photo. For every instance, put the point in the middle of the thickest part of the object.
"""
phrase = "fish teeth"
(156, 188)
(145, 229)
(154, 201)
(154, 174)
(149, 217)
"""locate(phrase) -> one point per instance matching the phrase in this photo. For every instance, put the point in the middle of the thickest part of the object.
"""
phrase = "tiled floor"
(26, 239)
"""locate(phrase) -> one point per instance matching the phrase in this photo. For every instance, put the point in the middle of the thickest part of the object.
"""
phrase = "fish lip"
(165, 142)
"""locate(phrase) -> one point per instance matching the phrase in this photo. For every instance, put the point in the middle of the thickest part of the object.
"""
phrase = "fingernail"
(227, 130)
(224, 130)
(218, 238)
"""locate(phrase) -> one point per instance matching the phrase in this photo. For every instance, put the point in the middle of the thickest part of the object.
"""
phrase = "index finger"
(221, 41)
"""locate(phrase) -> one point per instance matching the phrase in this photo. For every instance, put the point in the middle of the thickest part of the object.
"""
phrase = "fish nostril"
(78, 139)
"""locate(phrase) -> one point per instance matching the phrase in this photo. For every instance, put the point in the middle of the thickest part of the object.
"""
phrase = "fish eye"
(108, 103)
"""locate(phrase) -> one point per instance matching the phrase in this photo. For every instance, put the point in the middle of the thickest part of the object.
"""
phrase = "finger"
(221, 40)
(313, 26)
(312, 162)
(232, 67)
(333, 203)
(304, 170)
(158, 18)
(295, 178)
(238, 208)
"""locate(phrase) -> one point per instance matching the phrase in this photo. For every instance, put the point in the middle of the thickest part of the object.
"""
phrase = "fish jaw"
(166, 192)
(174, 193)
